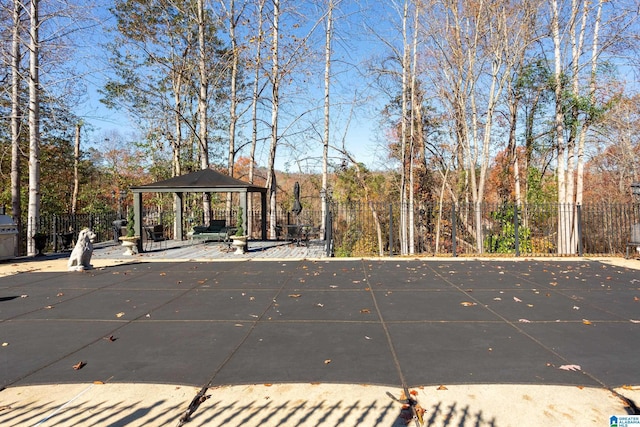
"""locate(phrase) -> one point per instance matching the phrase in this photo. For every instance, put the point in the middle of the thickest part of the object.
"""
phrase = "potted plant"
(130, 241)
(40, 242)
(239, 239)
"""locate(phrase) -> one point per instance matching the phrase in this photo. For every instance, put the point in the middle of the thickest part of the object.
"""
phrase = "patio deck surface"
(310, 341)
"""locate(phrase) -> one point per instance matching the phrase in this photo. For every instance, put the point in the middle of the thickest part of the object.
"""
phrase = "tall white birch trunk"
(592, 93)
(327, 106)
(233, 104)
(34, 127)
(275, 92)
(563, 236)
(202, 105)
(16, 207)
(416, 127)
(254, 107)
(404, 249)
(76, 163)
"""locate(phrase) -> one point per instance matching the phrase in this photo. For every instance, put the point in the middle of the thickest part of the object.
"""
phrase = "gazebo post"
(263, 208)
(179, 235)
(245, 214)
(137, 217)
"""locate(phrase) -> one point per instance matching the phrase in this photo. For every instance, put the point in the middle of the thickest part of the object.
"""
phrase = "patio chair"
(153, 235)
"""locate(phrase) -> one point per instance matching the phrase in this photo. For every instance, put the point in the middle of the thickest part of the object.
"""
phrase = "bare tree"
(327, 110)
(257, 64)
(16, 153)
(275, 104)
(76, 163)
(203, 135)
(34, 126)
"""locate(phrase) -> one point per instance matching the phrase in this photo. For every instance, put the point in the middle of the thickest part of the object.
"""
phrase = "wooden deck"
(187, 250)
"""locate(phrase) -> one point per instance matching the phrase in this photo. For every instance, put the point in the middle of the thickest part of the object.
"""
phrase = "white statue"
(80, 258)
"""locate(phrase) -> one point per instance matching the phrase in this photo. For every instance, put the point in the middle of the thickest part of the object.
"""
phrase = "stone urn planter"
(240, 243)
(40, 242)
(130, 243)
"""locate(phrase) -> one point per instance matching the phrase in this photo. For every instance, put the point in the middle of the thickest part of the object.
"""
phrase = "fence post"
(453, 229)
(328, 233)
(390, 230)
(579, 220)
(54, 232)
(515, 228)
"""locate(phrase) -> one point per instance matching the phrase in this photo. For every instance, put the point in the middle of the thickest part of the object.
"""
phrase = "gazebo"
(202, 181)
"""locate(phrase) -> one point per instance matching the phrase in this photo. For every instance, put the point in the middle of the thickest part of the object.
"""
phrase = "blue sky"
(351, 46)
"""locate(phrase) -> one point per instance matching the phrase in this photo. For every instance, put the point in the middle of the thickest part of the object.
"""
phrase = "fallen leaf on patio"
(163, 274)
(268, 384)
(634, 321)
(636, 299)
(468, 304)
(59, 294)
(5, 407)
(586, 322)
(497, 299)
(24, 296)
(120, 314)
(530, 305)
(524, 321)
(110, 338)
(570, 367)
(365, 311)
(516, 299)
(333, 286)
(238, 325)
(295, 295)
(48, 307)
(553, 283)
(442, 387)
(97, 382)
(178, 282)
(327, 361)
(627, 387)
(319, 305)
(79, 365)
(413, 393)
(367, 338)
(4, 344)
(575, 307)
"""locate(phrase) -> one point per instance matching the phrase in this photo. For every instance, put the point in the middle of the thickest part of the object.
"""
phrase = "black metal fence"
(361, 229)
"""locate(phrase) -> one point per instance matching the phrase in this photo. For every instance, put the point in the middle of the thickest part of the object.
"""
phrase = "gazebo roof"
(201, 181)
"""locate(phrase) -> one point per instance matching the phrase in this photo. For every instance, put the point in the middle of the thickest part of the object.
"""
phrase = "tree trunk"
(327, 86)
(416, 127)
(34, 128)
(16, 207)
(76, 162)
(404, 155)
(202, 106)
(254, 107)
(275, 91)
(233, 104)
